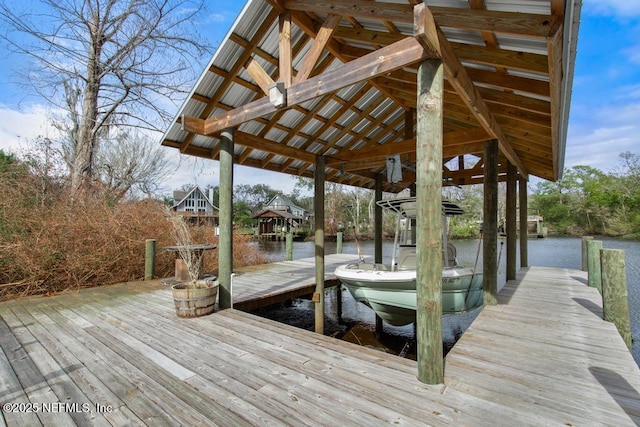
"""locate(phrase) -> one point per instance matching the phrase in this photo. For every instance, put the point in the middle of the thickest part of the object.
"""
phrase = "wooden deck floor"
(541, 357)
(262, 285)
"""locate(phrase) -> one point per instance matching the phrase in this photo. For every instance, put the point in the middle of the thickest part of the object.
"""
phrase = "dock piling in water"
(585, 260)
(289, 247)
(615, 304)
(593, 264)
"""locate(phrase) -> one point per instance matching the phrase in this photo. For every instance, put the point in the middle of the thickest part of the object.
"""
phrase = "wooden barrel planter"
(195, 299)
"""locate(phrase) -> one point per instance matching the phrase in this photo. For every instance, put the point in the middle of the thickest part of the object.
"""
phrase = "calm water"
(549, 252)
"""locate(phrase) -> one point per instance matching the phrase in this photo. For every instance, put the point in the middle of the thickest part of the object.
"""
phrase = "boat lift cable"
(395, 243)
(475, 269)
(355, 234)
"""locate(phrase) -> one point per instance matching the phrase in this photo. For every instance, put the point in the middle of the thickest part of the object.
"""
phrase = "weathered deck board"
(555, 352)
(267, 284)
(540, 357)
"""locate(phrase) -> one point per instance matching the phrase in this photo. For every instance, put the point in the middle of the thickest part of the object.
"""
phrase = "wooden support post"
(593, 264)
(511, 222)
(377, 232)
(289, 247)
(377, 219)
(490, 223)
(339, 242)
(585, 258)
(149, 259)
(339, 301)
(318, 207)
(379, 327)
(225, 241)
(409, 133)
(524, 235)
(412, 193)
(615, 302)
(429, 222)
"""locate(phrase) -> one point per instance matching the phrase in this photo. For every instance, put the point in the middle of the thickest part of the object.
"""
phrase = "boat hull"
(392, 294)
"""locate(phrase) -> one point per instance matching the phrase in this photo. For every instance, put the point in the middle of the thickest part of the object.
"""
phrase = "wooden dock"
(262, 285)
(540, 357)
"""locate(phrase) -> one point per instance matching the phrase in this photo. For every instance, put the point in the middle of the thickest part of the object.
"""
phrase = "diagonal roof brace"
(431, 37)
(379, 62)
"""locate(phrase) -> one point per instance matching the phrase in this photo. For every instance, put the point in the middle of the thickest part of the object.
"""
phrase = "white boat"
(390, 289)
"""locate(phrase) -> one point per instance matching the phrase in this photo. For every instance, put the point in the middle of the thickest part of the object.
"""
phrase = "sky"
(604, 114)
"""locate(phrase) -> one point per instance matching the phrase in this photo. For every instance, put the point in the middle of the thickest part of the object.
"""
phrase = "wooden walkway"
(262, 285)
(541, 357)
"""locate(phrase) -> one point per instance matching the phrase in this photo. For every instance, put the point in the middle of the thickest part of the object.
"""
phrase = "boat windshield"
(406, 209)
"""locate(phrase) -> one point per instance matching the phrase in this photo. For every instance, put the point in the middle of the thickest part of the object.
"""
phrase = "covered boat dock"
(455, 92)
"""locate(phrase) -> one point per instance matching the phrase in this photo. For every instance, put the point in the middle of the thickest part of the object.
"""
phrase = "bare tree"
(132, 164)
(107, 63)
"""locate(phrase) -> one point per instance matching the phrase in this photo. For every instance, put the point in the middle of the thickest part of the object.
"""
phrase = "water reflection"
(357, 324)
(550, 252)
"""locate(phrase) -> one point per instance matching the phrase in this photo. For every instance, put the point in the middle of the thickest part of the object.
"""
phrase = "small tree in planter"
(196, 297)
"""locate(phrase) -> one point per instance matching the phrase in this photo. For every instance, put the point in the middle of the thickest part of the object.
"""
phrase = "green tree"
(255, 196)
(553, 200)
(587, 200)
(242, 214)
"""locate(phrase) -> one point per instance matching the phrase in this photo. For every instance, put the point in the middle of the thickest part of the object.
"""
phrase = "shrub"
(50, 243)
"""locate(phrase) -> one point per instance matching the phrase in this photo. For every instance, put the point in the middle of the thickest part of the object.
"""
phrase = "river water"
(558, 252)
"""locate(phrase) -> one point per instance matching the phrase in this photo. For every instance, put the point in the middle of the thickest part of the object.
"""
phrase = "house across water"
(281, 216)
(196, 207)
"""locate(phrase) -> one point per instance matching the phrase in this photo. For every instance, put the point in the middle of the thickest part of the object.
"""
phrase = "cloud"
(617, 8)
(598, 136)
(216, 17)
(633, 54)
(19, 128)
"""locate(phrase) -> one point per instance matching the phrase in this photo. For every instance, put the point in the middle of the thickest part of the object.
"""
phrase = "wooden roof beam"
(263, 144)
(448, 152)
(381, 151)
(431, 37)
(534, 25)
(376, 63)
(555, 86)
(309, 26)
(259, 75)
(285, 57)
(246, 54)
(493, 56)
(320, 42)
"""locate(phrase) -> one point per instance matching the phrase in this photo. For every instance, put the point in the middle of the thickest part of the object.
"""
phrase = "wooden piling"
(339, 301)
(510, 226)
(379, 327)
(289, 247)
(339, 242)
(524, 235)
(585, 259)
(377, 258)
(377, 226)
(150, 259)
(429, 137)
(593, 265)
(225, 240)
(490, 223)
(615, 301)
(318, 206)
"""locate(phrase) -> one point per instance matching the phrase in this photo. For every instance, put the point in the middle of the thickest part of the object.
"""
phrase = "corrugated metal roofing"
(523, 75)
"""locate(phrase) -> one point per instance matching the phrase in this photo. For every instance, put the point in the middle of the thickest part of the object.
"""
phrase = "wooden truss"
(351, 94)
